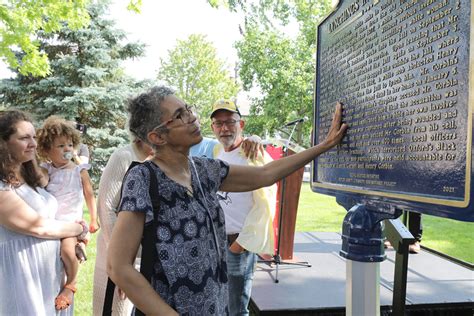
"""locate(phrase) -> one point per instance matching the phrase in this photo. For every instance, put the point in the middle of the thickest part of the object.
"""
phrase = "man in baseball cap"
(248, 215)
(226, 105)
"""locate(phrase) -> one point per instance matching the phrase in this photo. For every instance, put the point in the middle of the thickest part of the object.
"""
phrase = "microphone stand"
(276, 258)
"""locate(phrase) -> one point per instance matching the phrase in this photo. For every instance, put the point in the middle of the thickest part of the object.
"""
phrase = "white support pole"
(362, 288)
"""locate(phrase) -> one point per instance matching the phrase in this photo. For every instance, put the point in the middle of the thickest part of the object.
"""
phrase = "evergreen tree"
(86, 83)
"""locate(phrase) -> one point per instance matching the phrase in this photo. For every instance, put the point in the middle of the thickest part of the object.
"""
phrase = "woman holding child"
(189, 271)
(31, 271)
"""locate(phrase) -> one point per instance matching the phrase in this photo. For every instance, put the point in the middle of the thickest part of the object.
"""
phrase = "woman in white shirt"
(107, 202)
(31, 271)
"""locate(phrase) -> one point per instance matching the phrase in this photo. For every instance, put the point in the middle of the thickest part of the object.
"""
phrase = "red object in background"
(274, 152)
(290, 206)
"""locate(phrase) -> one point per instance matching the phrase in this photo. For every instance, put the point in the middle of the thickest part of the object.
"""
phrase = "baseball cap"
(224, 105)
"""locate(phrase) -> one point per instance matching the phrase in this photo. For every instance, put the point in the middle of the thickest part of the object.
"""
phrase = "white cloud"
(161, 23)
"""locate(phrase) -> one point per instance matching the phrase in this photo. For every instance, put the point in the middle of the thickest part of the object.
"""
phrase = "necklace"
(214, 231)
(15, 179)
(189, 191)
(180, 178)
(17, 184)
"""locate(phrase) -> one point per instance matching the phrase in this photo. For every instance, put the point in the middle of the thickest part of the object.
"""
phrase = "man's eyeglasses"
(228, 123)
(185, 115)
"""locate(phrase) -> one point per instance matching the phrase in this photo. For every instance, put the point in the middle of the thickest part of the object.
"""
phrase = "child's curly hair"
(53, 127)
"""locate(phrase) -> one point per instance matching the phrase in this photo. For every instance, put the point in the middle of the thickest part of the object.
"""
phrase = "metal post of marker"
(362, 246)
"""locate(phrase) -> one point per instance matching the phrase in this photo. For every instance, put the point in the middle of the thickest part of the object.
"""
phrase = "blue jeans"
(240, 269)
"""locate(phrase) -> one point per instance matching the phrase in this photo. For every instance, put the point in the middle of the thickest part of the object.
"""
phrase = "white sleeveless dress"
(31, 271)
(66, 186)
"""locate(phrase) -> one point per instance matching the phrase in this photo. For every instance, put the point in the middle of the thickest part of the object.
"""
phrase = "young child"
(70, 184)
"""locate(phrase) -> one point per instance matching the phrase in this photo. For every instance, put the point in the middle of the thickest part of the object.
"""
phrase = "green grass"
(318, 213)
(85, 284)
(452, 237)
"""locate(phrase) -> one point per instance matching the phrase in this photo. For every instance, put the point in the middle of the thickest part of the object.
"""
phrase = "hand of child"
(94, 226)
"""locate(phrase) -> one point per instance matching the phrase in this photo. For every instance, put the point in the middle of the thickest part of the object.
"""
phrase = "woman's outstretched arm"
(246, 178)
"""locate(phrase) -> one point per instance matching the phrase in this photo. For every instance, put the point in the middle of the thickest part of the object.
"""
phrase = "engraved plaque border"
(435, 206)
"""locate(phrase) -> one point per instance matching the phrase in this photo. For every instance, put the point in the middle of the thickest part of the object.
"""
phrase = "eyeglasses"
(228, 123)
(185, 115)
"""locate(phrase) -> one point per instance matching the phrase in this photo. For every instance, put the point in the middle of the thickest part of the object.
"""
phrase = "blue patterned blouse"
(190, 274)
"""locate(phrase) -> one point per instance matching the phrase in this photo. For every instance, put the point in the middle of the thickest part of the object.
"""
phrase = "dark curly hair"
(145, 111)
(54, 127)
(29, 170)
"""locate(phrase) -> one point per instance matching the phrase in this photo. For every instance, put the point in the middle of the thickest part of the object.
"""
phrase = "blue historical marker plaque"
(402, 70)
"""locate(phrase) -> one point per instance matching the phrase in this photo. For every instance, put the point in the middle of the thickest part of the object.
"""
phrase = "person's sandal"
(62, 301)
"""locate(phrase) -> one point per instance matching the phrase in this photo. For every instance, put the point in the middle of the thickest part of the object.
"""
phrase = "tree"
(200, 78)
(21, 19)
(283, 70)
(282, 67)
(86, 83)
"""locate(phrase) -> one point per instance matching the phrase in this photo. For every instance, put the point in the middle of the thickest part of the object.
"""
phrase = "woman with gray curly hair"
(189, 271)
